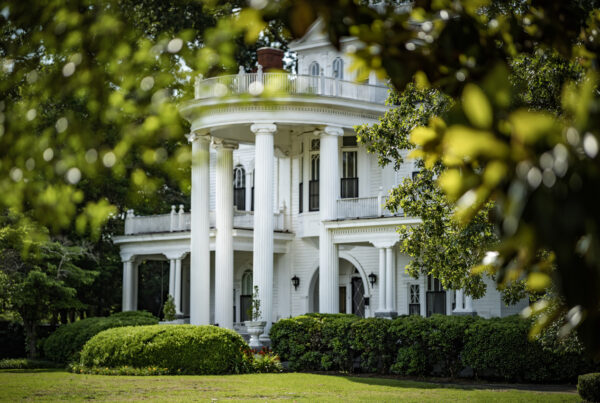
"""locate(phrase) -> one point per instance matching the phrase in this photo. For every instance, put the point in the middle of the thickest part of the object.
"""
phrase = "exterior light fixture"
(295, 282)
(372, 279)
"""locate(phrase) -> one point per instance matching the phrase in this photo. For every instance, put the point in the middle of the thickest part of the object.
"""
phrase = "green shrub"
(371, 341)
(314, 341)
(66, 342)
(181, 349)
(588, 386)
(26, 363)
(500, 348)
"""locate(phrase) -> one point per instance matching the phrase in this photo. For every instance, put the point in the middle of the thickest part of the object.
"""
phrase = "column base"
(464, 313)
(386, 314)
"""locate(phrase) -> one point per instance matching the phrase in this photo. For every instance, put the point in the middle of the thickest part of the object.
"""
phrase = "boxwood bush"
(66, 342)
(436, 346)
(588, 386)
(180, 349)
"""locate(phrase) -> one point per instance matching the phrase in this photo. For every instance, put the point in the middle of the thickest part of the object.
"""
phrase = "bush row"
(416, 346)
(174, 349)
(65, 344)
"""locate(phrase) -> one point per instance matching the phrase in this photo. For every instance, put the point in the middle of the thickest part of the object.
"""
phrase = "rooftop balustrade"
(281, 84)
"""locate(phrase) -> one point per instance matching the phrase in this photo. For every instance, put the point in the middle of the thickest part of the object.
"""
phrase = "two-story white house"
(284, 198)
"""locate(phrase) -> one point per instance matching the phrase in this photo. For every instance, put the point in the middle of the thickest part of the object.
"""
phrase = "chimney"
(270, 58)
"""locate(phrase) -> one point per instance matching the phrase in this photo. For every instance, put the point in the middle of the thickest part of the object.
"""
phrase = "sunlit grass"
(55, 385)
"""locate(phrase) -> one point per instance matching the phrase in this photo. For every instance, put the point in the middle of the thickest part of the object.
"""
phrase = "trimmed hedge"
(66, 342)
(179, 349)
(435, 346)
(588, 386)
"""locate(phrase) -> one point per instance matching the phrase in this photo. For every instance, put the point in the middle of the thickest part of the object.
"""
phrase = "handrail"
(272, 84)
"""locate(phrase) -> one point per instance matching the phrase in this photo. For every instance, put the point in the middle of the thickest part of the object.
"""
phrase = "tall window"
(252, 195)
(300, 185)
(414, 299)
(246, 296)
(239, 187)
(436, 296)
(315, 69)
(313, 184)
(349, 180)
(338, 68)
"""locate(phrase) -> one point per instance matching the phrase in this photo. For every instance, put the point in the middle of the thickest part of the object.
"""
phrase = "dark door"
(358, 297)
(436, 302)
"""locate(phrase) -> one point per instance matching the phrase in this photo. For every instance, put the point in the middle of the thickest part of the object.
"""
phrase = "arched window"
(315, 69)
(338, 68)
(247, 283)
(239, 187)
(246, 296)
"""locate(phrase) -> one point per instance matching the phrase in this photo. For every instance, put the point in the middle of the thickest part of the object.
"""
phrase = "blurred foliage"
(539, 164)
(89, 126)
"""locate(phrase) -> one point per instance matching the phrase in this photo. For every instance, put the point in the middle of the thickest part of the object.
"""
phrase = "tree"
(439, 246)
(40, 276)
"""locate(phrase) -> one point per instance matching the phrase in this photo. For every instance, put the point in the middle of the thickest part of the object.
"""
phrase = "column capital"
(263, 128)
(385, 244)
(218, 143)
(127, 258)
(202, 135)
(330, 131)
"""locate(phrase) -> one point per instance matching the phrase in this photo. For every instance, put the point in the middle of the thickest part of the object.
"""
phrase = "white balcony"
(181, 221)
(364, 207)
(281, 84)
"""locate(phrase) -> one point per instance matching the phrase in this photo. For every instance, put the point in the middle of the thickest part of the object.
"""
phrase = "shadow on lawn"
(458, 384)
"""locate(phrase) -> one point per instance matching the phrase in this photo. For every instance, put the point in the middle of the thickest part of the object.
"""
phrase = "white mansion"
(283, 198)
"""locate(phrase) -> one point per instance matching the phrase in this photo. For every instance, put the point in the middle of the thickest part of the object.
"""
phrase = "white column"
(389, 289)
(200, 228)
(134, 285)
(468, 303)
(382, 281)
(459, 301)
(329, 190)
(127, 286)
(172, 277)
(177, 296)
(224, 237)
(263, 218)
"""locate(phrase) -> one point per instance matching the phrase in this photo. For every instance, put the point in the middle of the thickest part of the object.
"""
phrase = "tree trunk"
(31, 337)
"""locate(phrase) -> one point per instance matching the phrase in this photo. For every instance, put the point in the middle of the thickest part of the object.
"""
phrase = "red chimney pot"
(270, 58)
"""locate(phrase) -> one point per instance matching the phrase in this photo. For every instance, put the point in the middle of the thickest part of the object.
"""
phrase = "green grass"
(56, 385)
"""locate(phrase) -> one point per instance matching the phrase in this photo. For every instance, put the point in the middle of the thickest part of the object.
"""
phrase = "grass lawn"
(53, 385)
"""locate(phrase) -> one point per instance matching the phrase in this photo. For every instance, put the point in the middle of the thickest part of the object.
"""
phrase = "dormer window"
(338, 68)
(315, 69)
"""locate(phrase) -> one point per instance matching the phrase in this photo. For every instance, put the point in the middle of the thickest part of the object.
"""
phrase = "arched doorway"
(351, 290)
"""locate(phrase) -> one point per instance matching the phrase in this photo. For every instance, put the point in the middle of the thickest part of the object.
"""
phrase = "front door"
(435, 296)
(358, 297)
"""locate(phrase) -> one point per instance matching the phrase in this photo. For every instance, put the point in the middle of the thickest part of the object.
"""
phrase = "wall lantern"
(372, 279)
(295, 282)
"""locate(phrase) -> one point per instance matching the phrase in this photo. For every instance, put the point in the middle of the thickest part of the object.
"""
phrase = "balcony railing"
(280, 84)
(181, 221)
(364, 207)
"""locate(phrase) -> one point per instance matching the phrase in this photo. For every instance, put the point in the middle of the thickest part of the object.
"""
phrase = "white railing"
(280, 84)
(364, 207)
(181, 221)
